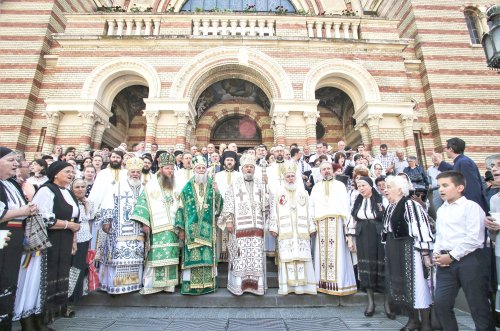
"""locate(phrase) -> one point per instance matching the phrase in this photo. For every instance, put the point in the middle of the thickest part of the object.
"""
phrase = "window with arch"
(239, 5)
(474, 25)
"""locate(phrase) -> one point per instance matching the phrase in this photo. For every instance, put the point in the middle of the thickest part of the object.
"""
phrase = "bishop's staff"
(214, 232)
(263, 164)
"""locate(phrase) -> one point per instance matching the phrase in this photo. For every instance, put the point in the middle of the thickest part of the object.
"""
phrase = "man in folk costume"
(243, 216)
(123, 254)
(104, 183)
(199, 203)
(292, 224)
(184, 174)
(224, 180)
(330, 208)
(276, 175)
(155, 210)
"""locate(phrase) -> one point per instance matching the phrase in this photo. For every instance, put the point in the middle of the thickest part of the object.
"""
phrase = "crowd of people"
(336, 221)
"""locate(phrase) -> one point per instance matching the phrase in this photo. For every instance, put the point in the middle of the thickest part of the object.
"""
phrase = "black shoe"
(68, 313)
(28, 323)
(369, 313)
(39, 324)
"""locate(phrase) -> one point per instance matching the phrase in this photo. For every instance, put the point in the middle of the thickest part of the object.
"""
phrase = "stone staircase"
(223, 298)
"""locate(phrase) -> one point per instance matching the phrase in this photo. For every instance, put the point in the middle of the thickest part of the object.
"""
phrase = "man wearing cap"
(155, 210)
(199, 203)
(146, 169)
(245, 204)
(293, 226)
(332, 261)
(123, 254)
(224, 180)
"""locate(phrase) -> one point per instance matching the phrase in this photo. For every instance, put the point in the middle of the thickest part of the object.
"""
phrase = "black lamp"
(491, 40)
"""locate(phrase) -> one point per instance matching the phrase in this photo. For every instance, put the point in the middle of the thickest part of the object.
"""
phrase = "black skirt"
(399, 271)
(10, 259)
(371, 255)
(79, 269)
(58, 266)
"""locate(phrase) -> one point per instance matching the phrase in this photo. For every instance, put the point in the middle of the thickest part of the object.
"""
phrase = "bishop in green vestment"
(155, 209)
(194, 222)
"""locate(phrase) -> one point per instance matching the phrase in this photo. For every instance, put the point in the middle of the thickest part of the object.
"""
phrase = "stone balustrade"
(234, 27)
(133, 26)
(334, 28)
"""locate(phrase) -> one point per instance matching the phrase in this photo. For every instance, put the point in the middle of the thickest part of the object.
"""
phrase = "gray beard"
(134, 183)
(248, 177)
(201, 178)
(167, 183)
(291, 187)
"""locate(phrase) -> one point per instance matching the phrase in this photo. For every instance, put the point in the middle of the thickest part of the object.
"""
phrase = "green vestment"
(195, 217)
(156, 208)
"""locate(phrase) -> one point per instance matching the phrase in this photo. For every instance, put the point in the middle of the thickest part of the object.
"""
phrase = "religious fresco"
(231, 90)
(236, 128)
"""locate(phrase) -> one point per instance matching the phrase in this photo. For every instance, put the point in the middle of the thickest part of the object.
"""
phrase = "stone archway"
(220, 112)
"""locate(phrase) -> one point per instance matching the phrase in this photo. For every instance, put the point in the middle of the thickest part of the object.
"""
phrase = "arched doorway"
(233, 110)
(336, 120)
(127, 123)
(239, 129)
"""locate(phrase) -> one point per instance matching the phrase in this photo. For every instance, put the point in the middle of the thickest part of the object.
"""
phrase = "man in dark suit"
(455, 148)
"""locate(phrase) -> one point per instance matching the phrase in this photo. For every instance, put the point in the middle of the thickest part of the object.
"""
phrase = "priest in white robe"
(245, 203)
(224, 180)
(292, 224)
(123, 254)
(330, 210)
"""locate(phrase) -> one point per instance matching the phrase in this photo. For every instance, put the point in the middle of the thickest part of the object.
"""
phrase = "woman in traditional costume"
(409, 241)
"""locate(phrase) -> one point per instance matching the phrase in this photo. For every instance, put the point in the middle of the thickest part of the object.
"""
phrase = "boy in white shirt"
(458, 254)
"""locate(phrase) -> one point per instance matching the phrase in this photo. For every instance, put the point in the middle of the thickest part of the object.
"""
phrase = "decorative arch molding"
(223, 62)
(223, 111)
(117, 74)
(351, 78)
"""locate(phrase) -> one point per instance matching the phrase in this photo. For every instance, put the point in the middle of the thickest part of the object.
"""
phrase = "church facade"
(408, 73)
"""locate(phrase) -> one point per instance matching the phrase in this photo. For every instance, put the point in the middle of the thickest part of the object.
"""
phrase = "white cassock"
(332, 261)
(243, 205)
(224, 179)
(182, 176)
(292, 221)
(276, 178)
(123, 253)
(103, 185)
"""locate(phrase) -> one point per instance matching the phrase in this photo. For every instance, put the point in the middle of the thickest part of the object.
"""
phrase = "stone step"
(223, 298)
(272, 279)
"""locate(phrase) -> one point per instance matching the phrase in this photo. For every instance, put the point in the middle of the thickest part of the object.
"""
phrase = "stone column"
(364, 131)
(373, 122)
(182, 129)
(311, 118)
(279, 120)
(99, 129)
(51, 131)
(151, 122)
(88, 122)
(407, 125)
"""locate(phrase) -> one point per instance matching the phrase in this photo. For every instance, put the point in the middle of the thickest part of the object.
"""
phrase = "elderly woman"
(416, 173)
(60, 210)
(14, 209)
(78, 262)
(366, 227)
(408, 240)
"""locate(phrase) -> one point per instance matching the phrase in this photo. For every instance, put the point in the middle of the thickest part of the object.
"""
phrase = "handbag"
(36, 235)
(93, 276)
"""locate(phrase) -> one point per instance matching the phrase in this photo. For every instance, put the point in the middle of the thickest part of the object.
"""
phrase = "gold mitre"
(247, 159)
(197, 160)
(290, 167)
(166, 159)
(134, 163)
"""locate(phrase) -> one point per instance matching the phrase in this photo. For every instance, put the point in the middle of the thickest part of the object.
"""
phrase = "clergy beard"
(134, 183)
(328, 178)
(166, 182)
(115, 165)
(248, 177)
(201, 178)
(145, 171)
(280, 159)
(291, 187)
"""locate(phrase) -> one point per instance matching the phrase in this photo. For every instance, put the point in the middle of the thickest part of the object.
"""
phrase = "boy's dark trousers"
(470, 274)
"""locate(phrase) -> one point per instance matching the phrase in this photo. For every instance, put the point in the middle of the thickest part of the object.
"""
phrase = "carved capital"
(279, 118)
(407, 120)
(311, 118)
(52, 118)
(183, 117)
(87, 118)
(151, 117)
(374, 120)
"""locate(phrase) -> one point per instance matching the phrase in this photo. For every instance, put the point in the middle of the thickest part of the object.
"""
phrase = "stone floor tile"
(264, 324)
